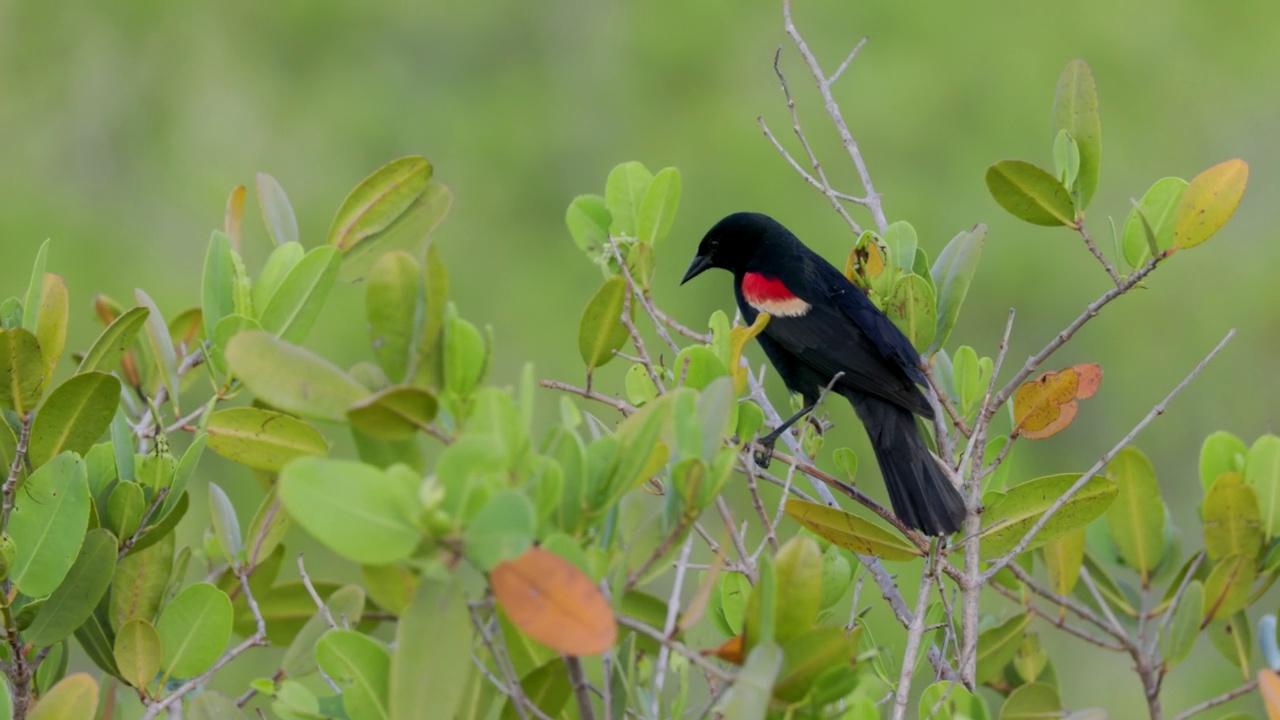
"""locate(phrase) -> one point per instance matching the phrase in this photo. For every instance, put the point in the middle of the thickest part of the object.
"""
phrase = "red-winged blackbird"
(822, 325)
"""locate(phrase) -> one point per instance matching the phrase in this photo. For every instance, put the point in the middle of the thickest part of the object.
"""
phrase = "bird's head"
(732, 243)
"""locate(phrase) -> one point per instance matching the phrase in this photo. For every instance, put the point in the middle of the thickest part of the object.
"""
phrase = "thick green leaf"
(799, 565)
(1262, 472)
(75, 598)
(75, 697)
(1136, 518)
(161, 344)
(277, 213)
(953, 272)
(427, 674)
(998, 645)
(588, 220)
(1035, 701)
(1232, 520)
(658, 209)
(407, 232)
(1004, 524)
(262, 439)
(502, 530)
(902, 241)
(138, 653)
(125, 508)
(226, 526)
(346, 605)
(395, 413)
(748, 699)
(106, 351)
(911, 306)
(601, 331)
(1063, 557)
(294, 307)
(356, 510)
(21, 370)
(394, 305)
(1221, 452)
(139, 582)
(1233, 639)
(74, 416)
(35, 289)
(1075, 109)
(1209, 202)
(624, 193)
(194, 629)
(1030, 193)
(697, 366)
(218, 285)
(49, 517)
(1227, 589)
(466, 356)
(850, 531)
(1157, 206)
(213, 706)
(182, 474)
(266, 530)
(946, 700)
(1179, 637)
(51, 326)
(280, 263)
(291, 378)
(379, 201)
(810, 655)
(361, 668)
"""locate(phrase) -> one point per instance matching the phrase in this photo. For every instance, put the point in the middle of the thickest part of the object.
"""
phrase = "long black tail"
(922, 496)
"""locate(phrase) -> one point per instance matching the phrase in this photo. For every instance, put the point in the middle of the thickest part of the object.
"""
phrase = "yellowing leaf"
(553, 602)
(850, 531)
(1209, 202)
(1269, 689)
(234, 217)
(730, 651)
(738, 339)
(1047, 404)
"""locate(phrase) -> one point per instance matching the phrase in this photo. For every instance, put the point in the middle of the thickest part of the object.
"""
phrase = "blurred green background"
(124, 126)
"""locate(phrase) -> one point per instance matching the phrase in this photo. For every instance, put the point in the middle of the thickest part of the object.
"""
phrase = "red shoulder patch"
(759, 288)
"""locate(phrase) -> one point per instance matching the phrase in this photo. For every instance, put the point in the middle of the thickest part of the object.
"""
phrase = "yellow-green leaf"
(51, 325)
(601, 331)
(74, 416)
(106, 351)
(291, 378)
(850, 531)
(1005, 522)
(262, 439)
(21, 370)
(75, 697)
(1075, 109)
(395, 413)
(378, 201)
(1209, 202)
(1136, 518)
(1227, 589)
(138, 651)
(1232, 520)
(1030, 193)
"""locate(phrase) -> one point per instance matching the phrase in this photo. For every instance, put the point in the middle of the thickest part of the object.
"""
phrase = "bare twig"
(142, 526)
(15, 469)
(578, 681)
(915, 631)
(1102, 462)
(1093, 248)
(1177, 598)
(669, 630)
(675, 324)
(889, 591)
(1080, 609)
(315, 596)
(692, 656)
(620, 405)
(852, 54)
(1211, 703)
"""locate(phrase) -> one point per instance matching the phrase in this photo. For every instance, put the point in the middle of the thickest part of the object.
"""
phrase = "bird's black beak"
(697, 267)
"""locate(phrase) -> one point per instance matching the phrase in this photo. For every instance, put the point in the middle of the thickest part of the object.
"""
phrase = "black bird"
(822, 325)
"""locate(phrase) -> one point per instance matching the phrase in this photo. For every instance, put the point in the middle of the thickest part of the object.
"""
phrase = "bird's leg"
(765, 454)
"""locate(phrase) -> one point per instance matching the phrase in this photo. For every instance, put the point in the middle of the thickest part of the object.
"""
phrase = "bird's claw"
(763, 455)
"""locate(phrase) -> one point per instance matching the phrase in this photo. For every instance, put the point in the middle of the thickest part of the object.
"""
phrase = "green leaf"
(1233, 639)
(1227, 589)
(1035, 701)
(282, 260)
(546, 686)
(640, 387)
(799, 570)
(266, 530)
(378, 201)
(50, 514)
(1066, 159)
(1063, 557)
(407, 232)
(218, 284)
(213, 705)
(182, 474)
(1005, 522)
(35, 289)
(1075, 109)
(361, 668)
(1209, 202)
(1179, 637)
(1262, 472)
(1221, 452)
(503, 529)
(466, 357)
(1031, 194)
(624, 194)
(194, 630)
(901, 239)
(850, 531)
(73, 601)
(161, 344)
(748, 698)
(1136, 518)
(601, 331)
(998, 645)
(51, 326)
(356, 510)
(1232, 520)
(226, 526)
(291, 378)
(1157, 206)
(105, 353)
(697, 366)
(947, 700)
(294, 307)
(21, 370)
(953, 272)
(138, 653)
(75, 697)
(911, 306)
(125, 508)
(74, 416)
(658, 209)
(427, 674)
(262, 439)
(394, 304)
(346, 604)
(588, 219)
(809, 656)
(139, 582)
(394, 413)
(277, 213)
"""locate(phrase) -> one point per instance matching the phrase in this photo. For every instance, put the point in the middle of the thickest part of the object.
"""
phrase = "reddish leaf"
(553, 602)
(730, 651)
(1048, 404)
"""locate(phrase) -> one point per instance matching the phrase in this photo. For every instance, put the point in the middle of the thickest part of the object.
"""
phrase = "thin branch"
(1177, 598)
(1080, 609)
(1156, 411)
(1093, 248)
(915, 631)
(1211, 703)
(142, 526)
(315, 596)
(578, 681)
(621, 406)
(15, 469)
(939, 398)
(644, 300)
(669, 630)
(692, 656)
(889, 591)
(676, 324)
(852, 54)
(757, 502)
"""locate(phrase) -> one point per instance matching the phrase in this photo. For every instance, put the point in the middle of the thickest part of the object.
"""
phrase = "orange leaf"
(553, 602)
(1269, 689)
(1047, 404)
(730, 651)
(865, 262)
